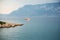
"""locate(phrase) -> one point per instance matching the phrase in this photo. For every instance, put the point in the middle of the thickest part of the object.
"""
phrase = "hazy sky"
(7, 6)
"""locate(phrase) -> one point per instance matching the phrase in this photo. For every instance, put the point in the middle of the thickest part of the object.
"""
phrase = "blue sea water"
(38, 28)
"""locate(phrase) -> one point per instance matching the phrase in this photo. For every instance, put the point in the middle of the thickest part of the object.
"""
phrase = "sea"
(38, 28)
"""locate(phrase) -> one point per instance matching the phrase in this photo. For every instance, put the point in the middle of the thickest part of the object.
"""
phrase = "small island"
(8, 25)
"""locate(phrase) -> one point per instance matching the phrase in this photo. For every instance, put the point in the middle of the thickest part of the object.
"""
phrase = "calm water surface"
(39, 28)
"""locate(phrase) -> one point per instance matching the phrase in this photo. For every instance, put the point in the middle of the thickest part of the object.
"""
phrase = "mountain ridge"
(38, 10)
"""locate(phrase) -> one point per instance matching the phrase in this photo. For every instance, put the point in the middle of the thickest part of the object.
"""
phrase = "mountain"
(38, 10)
(48, 9)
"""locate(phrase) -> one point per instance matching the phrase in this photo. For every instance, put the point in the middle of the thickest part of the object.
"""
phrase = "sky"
(7, 6)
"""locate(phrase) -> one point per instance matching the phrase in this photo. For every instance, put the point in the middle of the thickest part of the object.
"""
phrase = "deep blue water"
(38, 28)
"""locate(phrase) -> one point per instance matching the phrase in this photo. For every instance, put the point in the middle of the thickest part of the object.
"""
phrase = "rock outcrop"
(8, 25)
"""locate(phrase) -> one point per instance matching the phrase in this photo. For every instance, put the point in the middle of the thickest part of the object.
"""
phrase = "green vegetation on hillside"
(2, 22)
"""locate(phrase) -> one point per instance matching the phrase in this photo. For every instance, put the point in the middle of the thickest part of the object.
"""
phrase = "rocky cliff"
(8, 25)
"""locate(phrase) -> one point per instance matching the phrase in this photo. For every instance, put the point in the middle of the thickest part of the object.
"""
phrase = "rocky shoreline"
(8, 25)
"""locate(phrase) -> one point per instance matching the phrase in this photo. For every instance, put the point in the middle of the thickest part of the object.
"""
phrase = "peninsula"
(8, 25)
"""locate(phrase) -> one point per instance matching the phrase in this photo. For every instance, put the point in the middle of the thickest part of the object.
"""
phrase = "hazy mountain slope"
(49, 9)
(38, 10)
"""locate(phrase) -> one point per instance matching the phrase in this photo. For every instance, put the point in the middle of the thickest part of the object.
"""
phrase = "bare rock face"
(8, 25)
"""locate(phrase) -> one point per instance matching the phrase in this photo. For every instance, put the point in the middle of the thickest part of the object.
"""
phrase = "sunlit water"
(38, 28)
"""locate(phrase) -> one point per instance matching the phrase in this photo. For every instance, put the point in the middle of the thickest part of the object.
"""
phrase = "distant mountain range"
(49, 9)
